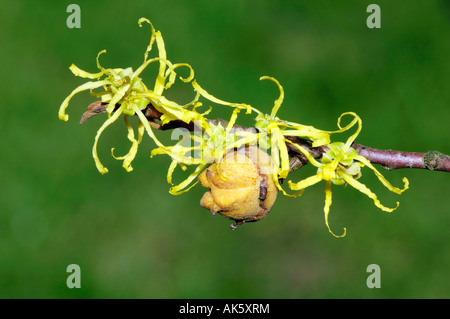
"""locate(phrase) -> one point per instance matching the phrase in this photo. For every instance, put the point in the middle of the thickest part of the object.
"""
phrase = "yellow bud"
(241, 186)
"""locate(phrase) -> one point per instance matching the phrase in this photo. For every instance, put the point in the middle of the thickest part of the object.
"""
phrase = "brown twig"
(389, 159)
(432, 160)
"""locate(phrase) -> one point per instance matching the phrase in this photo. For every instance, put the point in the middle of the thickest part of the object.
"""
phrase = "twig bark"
(388, 159)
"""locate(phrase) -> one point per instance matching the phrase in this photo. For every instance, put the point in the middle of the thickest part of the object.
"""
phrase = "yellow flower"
(274, 132)
(340, 165)
(203, 147)
(124, 87)
(234, 189)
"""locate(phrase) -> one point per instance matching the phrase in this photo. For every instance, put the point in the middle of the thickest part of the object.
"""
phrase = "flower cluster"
(125, 94)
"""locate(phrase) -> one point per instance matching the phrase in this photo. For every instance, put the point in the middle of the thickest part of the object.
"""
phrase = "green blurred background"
(132, 239)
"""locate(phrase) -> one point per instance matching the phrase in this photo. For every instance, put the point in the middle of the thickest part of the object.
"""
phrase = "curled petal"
(326, 209)
(148, 128)
(280, 99)
(232, 120)
(156, 36)
(83, 74)
(186, 80)
(365, 190)
(160, 79)
(382, 179)
(352, 138)
(162, 149)
(86, 86)
(129, 157)
(212, 98)
(307, 154)
(181, 188)
(148, 62)
(109, 121)
(280, 154)
(320, 137)
(152, 38)
(309, 181)
(170, 171)
(98, 62)
(172, 111)
(278, 185)
(317, 136)
(177, 154)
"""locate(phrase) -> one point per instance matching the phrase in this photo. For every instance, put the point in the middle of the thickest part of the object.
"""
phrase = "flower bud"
(241, 185)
